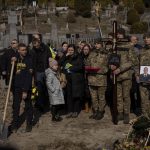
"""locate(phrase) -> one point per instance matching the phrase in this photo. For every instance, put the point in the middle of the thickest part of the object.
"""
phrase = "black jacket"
(75, 74)
(22, 74)
(1, 55)
(6, 62)
(40, 58)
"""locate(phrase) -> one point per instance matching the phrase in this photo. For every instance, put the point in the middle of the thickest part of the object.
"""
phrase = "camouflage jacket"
(145, 56)
(98, 58)
(128, 61)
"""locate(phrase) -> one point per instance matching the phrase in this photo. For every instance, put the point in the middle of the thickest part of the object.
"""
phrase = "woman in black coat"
(73, 67)
(87, 96)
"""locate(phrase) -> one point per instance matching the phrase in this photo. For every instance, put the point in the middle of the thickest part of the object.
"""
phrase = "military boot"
(13, 127)
(100, 115)
(29, 128)
(126, 119)
(120, 116)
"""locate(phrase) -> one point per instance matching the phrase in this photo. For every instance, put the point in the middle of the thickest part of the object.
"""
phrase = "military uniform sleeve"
(132, 61)
(104, 67)
(88, 61)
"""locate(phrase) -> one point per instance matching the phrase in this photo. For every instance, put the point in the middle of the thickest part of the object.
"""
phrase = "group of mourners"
(74, 78)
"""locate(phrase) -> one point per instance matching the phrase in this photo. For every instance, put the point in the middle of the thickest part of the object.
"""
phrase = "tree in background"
(83, 8)
(128, 3)
(3, 4)
(42, 2)
(132, 17)
(105, 3)
(139, 6)
(139, 27)
(71, 3)
(62, 3)
(71, 17)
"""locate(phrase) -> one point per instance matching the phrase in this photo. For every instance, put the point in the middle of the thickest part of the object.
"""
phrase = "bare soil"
(70, 134)
(81, 133)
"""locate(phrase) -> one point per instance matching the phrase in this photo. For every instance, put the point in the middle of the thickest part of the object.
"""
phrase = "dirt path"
(70, 134)
(81, 133)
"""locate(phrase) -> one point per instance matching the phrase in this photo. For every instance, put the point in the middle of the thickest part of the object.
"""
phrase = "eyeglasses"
(13, 43)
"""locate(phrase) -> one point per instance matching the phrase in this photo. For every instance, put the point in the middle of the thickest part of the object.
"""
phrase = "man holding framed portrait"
(144, 76)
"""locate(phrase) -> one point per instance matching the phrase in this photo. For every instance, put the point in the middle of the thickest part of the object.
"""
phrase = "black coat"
(40, 58)
(86, 89)
(6, 61)
(1, 55)
(75, 75)
(22, 78)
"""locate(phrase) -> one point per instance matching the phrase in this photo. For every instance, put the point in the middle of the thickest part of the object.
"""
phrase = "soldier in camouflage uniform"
(145, 87)
(97, 80)
(124, 73)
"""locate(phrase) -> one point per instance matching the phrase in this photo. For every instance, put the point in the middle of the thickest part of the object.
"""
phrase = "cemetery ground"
(80, 133)
(70, 134)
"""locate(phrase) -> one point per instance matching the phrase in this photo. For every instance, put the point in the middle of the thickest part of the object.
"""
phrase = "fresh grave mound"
(64, 145)
(138, 137)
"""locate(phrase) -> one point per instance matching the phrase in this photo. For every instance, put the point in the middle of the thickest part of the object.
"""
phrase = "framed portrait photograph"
(145, 74)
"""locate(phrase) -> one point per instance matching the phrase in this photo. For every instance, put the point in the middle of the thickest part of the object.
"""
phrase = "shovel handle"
(8, 91)
(147, 138)
(114, 78)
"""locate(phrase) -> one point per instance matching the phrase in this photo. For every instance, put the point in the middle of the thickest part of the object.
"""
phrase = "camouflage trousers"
(145, 102)
(123, 96)
(98, 97)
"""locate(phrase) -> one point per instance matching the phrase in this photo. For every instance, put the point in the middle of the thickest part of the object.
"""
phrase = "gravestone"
(12, 21)
(23, 39)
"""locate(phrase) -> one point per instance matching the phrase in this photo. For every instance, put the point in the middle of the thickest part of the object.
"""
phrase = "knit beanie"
(52, 62)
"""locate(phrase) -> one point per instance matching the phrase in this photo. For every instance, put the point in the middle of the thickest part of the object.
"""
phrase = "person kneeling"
(55, 91)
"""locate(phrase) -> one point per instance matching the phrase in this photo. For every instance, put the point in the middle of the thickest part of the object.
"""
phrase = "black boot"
(29, 128)
(126, 119)
(120, 116)
(13, 127)
(55, 117)
(100, 115)
(69, 115)
(93, 116)
(75, 115)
